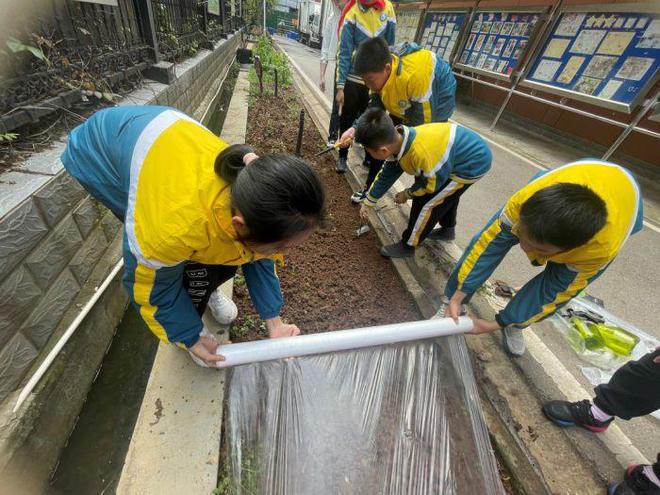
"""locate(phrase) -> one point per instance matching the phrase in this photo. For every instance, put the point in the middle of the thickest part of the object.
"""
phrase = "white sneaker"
(223, 309)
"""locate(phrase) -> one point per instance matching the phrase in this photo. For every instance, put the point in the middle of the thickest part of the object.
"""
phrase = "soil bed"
(334, 281)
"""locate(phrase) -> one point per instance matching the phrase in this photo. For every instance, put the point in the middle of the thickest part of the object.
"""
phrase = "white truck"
(309, 22)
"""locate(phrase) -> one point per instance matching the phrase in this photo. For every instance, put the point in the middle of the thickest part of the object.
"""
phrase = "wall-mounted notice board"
(606, 58)
(497, 41)
(406, 25)
(441, 30)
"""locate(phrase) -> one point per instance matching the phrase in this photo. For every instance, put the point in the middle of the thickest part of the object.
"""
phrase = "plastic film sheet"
(400, 419)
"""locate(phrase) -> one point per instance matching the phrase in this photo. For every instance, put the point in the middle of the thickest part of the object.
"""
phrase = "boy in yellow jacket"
(574, 220)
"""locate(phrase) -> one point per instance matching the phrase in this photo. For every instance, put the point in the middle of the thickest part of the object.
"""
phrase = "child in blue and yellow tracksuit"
(445, 159)
(193, 213)
(360, 20)
(413, 84)
(574, 220)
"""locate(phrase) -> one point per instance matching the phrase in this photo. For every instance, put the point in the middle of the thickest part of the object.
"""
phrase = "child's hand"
(339, 97)
(347, 138)
(364, 212)
(400, 197)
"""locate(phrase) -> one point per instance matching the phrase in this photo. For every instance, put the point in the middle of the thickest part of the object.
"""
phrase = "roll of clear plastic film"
(340, 340)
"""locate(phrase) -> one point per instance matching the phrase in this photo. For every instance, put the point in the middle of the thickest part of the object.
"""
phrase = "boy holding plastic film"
(574, 220)
(445, 159)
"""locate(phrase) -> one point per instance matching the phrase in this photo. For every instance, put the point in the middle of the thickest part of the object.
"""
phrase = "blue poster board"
(498, 40)
(440, 32)
(611, 56)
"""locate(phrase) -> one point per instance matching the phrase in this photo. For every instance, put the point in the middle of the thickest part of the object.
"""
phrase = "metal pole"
(264, 3)
(520, 74)
(648, 105)
(301, 129)
(600, 118)
(148, 25)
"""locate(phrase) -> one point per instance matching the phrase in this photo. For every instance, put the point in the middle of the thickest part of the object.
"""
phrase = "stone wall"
(53, 237)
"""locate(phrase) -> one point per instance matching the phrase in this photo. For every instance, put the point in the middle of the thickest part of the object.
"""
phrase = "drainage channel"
(93, 458)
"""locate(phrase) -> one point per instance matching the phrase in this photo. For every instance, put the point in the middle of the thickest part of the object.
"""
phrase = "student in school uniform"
(573, 220)
(413, 84)
(360, 20)
(445, 159)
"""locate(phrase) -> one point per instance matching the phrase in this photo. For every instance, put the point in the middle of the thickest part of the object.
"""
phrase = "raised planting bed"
(396, 419)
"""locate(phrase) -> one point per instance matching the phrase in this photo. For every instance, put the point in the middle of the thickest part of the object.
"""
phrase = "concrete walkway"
(175, 446)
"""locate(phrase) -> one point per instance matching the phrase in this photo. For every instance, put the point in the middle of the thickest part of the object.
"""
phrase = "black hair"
(372, 55)
(564, 215)
(375, 128)
(278, 195)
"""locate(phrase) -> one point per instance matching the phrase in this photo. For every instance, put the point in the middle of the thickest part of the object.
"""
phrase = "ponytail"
(278, 195)
(229, 162)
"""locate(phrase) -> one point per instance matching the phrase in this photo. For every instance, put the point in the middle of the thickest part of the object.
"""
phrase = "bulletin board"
(441, 31)
(406, 25)
(606, 58)
(497, 41)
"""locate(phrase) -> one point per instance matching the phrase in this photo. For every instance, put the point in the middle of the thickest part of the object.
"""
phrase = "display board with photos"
(441, 30)
(611, 56)
(497, 40)
(406, 25)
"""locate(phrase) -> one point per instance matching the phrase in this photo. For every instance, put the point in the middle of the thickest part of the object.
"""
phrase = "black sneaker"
(342, 165)
(634, 482)
(359, 196)
(398, 250)
(443, 234)
(564, 413)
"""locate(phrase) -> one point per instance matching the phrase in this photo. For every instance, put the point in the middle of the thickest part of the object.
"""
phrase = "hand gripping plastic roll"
(341, 340)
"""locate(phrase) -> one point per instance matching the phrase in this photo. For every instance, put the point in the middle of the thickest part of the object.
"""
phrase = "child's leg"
(435, 208)
(200, 281)
(414, 221)
(353, 107)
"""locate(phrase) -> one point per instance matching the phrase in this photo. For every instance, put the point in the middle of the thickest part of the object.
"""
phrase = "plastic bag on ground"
(401, 419)
(603, 358)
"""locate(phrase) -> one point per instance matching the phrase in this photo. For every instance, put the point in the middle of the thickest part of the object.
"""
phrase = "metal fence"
(70, 50)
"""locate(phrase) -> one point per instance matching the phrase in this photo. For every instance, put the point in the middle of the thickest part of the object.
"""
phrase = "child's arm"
(346, 48)
(545, 294)
(422, 185)
(388, 175)
(264, 287)
(483, 255)
(390, 30)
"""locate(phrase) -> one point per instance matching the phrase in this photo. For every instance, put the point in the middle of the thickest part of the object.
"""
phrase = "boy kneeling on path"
(445, 159)
(574, 220)
(413, 84)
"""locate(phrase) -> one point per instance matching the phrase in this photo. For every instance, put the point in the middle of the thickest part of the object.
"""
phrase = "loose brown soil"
(334, 280)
